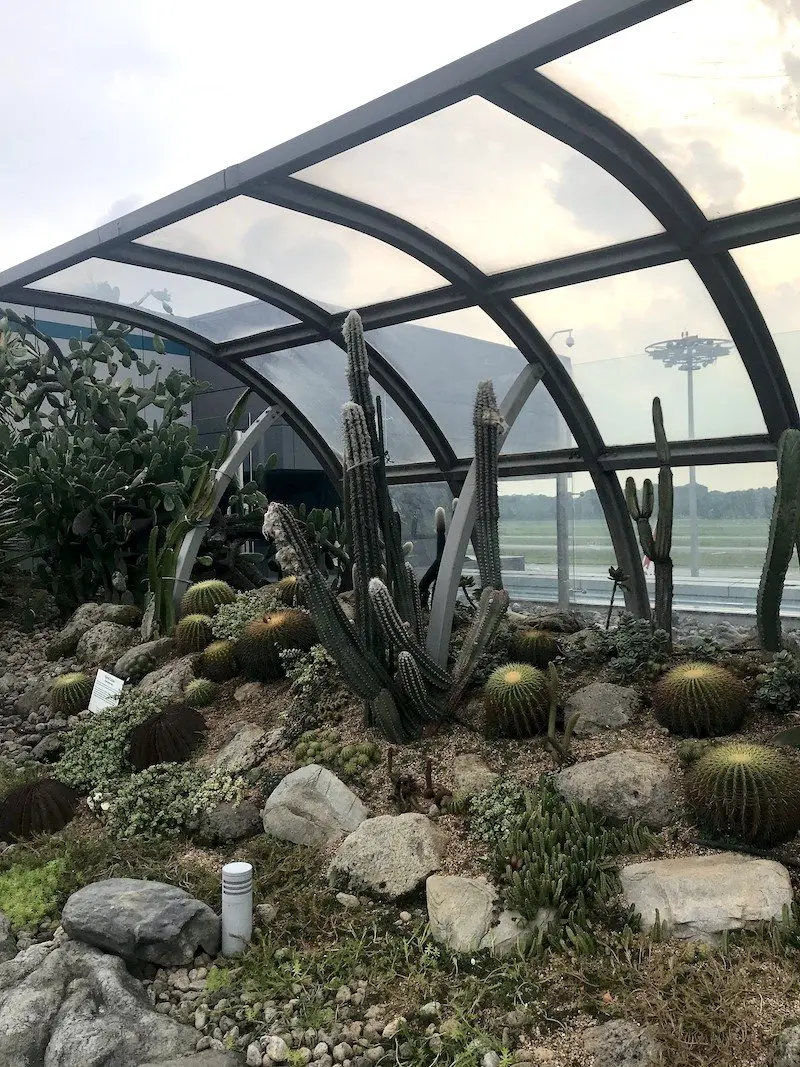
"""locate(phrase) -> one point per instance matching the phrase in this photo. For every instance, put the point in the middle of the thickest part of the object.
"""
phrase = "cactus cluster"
(784, 532)
(352, 760)
(200, 692)
(203, 598)
(517, 701)
(258, 648)
(70, 693)
(746, 791)
(699, 700)
(193, 633)
(537, 647)
(217, 662)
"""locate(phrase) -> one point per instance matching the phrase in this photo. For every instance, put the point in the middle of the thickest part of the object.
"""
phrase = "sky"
(110, 106)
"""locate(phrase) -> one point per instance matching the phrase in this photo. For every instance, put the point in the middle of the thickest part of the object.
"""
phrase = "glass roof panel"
(445, 356)
(331, 264)
(496, 189)
(214, 311)
(713, 90)
(772, 270)
(614, 320)
(314, 378)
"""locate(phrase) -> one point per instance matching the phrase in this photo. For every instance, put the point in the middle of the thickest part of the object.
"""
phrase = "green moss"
(30, 894)
(218, 978)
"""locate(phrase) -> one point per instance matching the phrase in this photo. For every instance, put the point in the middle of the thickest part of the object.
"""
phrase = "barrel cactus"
(537, 647)
(70, 693)
(217, 662)
(203, 598)
(168, 736)
(517, 701)
(746, 791)
(262, 640)
(193, 633)
(699, 700)
(41, 807)
(200, 692)
(289, 592)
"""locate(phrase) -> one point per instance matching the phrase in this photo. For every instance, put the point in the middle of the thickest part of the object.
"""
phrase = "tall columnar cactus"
(656, 546)
(383, 657)
(784, 529)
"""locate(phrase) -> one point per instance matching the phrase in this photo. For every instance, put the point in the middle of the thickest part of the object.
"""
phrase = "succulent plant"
(70, 693)
(289, 592)
(517, 701)
(262, 640)
(217, 662)
(746, 791)
(203, 598)
(193, 633)
(200, 692)
(41, 807)
(537, 647)
(169, 736)
(699, 700)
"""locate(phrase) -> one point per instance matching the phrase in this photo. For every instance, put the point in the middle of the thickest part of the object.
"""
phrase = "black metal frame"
(505, 74)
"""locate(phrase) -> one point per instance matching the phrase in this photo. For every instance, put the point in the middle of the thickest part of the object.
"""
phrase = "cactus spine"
(784, 528)
(656, 546)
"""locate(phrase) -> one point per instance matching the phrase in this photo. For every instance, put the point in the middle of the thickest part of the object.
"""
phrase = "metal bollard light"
(237, 907)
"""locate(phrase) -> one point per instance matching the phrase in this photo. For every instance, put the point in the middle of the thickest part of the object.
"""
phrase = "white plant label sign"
(106, 692)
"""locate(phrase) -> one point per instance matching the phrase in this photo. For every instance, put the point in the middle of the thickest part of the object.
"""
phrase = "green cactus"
(487, 422)
(428, 581)
(784, 531)
(203, 598)
(200, 692)
(259, 645)
(289, 592)
(193, 633)
(217, 662)
(517, 701)
(699, 700)
(746, 791)
(537, 647)
(70, 693)
(656, 546)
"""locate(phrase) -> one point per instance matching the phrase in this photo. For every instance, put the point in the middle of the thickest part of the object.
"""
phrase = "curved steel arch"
(355, 214)
(548, 107)
(82, 305)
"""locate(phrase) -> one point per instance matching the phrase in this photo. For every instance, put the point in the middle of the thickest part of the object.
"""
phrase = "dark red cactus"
(42, 807)
(169, 736)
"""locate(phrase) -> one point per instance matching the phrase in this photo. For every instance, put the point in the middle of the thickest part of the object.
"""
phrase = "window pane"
(212, 310)
(772, 270)
(314, 378)
(328, 263)
(614, 320)
(501, 192)
(416, 505)
(443, 358)
(711, 89)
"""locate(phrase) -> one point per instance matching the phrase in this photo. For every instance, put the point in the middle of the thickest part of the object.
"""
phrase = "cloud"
(120, 207)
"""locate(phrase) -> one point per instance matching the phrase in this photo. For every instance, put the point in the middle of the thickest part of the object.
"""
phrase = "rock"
(265, 913)
(170, 680)
(469, 774)
(787, 1048)
(138, 661)
(8, 943)
(141, 920)
(84, 618)
(312, 807)
(621, 1044)
(102, 645)
(462, 913)
(560, 622)
(347, 900)
(700, 896)
(76, 1007)
(277, 1049)
(47, 748)
(622, 785)
(211, 1058)
(388, 856)
(247, 691)
(602, 706)
(229, 822)
(244, 750)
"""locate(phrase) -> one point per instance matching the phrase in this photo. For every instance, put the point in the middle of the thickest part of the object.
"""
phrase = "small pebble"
(320, 1050)
(347, 900)
(277, 1050)
(393, 1028)
(490, 1059)
(405, 916)
(254, 1057)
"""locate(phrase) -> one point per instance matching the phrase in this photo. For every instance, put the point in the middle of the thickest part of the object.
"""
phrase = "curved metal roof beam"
(542, 104)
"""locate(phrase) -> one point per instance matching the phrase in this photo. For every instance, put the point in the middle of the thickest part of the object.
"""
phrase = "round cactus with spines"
(203, 598)
(200, 692)
(262, 640)
(70, 693)
(699, 700)
(517, 701)
(537, 647)
(193, 633)
(217, 662)
(746, 791)
(289, 592)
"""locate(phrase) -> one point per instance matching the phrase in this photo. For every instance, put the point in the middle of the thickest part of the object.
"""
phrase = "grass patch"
(30, 894)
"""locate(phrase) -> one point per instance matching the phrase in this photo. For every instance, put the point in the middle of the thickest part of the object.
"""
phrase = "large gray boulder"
(787, 1048)
(464, 916)
(104, 644)
(602, 706)
(624, 785)
(622, 1044)
(312, 807)
(388, 856)
(209, 1058)
(698, 897)
(72, 1006)
(138, 661)
(8, 942)
(168, 682)
(140, 920)
(84, 618)
(244, 750)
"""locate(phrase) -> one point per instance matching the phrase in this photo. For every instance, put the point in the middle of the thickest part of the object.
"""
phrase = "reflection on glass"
(501, 192)
(713, 93)
(416, 505)
(313, 377)
(214, 311)
(615, 321)
(328, 263)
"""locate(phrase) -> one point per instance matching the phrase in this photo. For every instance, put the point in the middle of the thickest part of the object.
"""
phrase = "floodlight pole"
(562, 511)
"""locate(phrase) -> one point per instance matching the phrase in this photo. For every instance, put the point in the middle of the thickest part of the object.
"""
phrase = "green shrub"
(313, 673)
(217, 978)
(495, 812)
(231, 619)
(637, 651)
(30, 894)
(779, 686)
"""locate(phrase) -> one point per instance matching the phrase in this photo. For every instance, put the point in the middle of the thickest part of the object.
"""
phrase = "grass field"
(724, 544)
